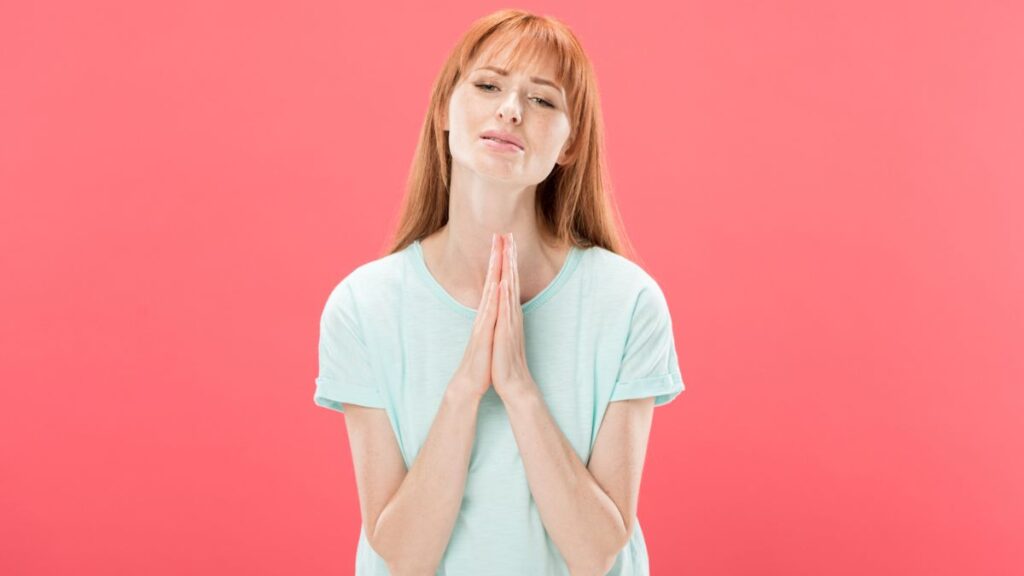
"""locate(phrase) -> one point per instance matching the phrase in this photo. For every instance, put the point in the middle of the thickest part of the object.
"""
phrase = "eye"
(483, 86)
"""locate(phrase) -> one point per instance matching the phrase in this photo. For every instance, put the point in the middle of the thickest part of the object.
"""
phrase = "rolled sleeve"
(649, 366)
(345, 371)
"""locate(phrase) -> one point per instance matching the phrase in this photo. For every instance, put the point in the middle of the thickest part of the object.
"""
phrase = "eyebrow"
(533, 79)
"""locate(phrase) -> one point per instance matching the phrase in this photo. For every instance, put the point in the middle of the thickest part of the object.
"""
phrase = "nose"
(510, 109)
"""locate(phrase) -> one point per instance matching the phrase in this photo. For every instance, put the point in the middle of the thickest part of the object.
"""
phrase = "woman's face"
(517, 102)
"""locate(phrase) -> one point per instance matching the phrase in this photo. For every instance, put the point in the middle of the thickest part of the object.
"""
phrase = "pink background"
(829, 194)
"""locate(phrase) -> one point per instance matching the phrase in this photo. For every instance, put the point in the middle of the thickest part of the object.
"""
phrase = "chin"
(497, 176)
(495, 168)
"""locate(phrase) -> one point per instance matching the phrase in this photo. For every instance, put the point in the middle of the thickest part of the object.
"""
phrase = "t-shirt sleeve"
(345, 374)
(649, 364)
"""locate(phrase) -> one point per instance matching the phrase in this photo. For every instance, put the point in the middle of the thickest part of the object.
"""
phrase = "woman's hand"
(473, 375)
(510, 374)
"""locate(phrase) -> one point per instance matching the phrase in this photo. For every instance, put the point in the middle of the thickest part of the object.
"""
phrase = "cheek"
(468, 114)
(556, 129)
(555, 138)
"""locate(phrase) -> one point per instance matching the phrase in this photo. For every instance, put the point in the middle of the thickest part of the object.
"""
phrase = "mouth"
(501, 144)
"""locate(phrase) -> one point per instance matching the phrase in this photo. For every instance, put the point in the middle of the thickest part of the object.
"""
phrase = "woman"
(500, 366)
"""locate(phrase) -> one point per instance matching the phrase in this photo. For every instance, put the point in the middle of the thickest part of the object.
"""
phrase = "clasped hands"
(499, 322)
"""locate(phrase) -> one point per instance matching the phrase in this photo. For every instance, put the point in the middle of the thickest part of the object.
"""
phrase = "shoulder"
(621, 291)
(371, 281)
(623, 278)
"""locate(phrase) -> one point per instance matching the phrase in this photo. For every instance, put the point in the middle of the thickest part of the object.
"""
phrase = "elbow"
(604, 565)
(397, 558)
(624, 537)
(610, 557)
(399, 565)
(601, 562)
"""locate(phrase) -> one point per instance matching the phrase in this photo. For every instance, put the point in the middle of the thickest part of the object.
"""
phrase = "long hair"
(574, 202)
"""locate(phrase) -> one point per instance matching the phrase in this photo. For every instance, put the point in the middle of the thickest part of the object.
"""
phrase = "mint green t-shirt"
(391, 337)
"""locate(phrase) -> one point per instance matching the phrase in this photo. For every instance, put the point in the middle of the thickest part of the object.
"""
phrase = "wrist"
(462, 397)
(522, 394)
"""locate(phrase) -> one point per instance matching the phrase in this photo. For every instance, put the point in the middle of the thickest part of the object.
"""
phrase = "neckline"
(532, 304)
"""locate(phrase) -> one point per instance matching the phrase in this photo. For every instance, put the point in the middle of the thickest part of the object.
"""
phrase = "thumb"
(492, 305)
(487, 313)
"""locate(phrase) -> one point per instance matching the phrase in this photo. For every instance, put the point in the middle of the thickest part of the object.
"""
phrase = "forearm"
(580, 517)
(413, 530)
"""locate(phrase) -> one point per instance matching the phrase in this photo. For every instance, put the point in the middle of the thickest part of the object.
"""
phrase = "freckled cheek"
(550, 140)
(479, 115)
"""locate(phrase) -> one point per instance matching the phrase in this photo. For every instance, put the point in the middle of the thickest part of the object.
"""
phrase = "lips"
(504, 137)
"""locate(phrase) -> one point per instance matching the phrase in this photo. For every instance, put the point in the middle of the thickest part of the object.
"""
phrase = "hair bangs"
(528, 44)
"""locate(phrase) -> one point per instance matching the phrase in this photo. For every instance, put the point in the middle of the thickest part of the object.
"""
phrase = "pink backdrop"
(829, 194)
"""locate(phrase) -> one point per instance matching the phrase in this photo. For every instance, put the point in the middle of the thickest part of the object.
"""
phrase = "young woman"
(499, 367)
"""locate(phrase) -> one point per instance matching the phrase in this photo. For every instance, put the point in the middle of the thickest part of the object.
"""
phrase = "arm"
(589, 516)
(412, 530)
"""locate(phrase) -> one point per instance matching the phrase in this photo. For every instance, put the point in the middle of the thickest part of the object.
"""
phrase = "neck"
(480, 207)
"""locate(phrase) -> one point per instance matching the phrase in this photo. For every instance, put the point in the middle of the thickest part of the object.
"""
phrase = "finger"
(506, 277)
(515, 270)
(490, 269)
(482, 310)
(506, 301)
(505, 304)
(495, 255)
(501, 275)
(492, 306)
(505, 259)
(499, 266)
(513, 284)
(494, 295)
(495, 312)
(488, 300)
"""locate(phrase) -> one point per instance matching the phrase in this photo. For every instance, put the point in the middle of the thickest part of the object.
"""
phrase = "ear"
(563, 159)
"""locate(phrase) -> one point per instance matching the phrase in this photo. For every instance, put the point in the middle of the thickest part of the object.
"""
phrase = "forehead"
(532, 58)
